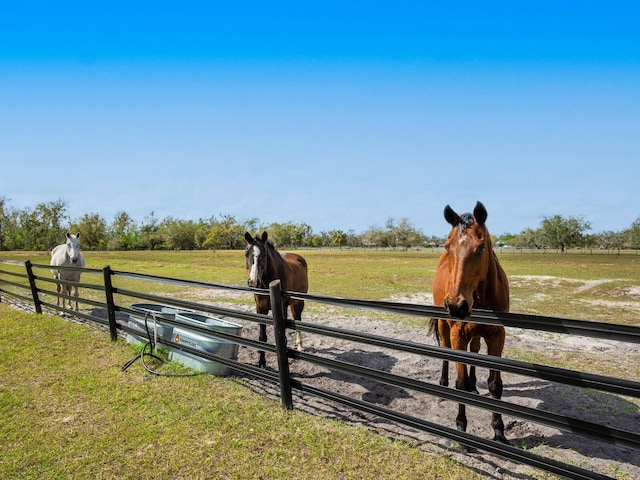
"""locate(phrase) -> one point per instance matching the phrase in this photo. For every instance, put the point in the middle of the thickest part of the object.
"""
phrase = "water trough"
(206, 342)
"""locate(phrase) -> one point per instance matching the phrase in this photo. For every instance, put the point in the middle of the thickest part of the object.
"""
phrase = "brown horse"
(265, 264)
(469, 275)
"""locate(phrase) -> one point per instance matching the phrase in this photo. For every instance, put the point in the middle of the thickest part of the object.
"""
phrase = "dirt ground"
(598, 407)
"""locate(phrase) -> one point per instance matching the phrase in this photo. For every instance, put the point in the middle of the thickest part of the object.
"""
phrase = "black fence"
(19, 282)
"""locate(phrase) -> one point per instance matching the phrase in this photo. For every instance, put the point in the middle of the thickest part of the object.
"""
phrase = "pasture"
(576, 286)
(602, 287)
(597, 287)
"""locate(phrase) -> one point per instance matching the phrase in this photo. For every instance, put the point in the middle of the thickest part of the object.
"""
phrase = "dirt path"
(598, 407)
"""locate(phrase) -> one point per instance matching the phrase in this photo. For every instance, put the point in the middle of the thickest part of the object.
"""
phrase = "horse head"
(468, 254)
(73, 247)
(256, 255)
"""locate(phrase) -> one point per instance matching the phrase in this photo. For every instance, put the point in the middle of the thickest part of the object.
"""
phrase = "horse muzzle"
(461, 310)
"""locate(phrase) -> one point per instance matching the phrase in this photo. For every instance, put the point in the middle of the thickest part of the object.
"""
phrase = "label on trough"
(184, 341)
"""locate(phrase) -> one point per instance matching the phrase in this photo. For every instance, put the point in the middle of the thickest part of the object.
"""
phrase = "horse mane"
(272, 250)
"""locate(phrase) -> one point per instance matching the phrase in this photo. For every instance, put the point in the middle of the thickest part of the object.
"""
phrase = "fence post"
(279, 327)
(34, 289)
(111, 309)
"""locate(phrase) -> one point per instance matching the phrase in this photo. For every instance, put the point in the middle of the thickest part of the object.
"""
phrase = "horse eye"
(481, 248)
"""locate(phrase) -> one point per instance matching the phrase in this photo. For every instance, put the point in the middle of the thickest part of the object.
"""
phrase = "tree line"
(44, 226)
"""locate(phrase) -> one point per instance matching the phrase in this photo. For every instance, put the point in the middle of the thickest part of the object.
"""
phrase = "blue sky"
(337, 114)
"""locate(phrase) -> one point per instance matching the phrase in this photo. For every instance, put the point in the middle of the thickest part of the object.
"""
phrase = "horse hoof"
(501, 438)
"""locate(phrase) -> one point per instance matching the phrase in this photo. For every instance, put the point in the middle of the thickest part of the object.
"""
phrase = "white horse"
(67, 255)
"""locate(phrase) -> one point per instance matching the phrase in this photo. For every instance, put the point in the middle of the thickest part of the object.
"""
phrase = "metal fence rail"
(29, 287)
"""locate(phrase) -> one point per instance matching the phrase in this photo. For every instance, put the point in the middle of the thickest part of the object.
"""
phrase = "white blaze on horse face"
(253, 273)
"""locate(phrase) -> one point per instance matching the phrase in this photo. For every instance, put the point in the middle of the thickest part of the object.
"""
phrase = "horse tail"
(432, 328)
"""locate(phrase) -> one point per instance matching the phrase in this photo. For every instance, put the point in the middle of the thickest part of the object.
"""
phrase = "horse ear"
(247, 237)
(264, 236)
(68, 235)
(480, 213)
(450, 216)
(78, 235)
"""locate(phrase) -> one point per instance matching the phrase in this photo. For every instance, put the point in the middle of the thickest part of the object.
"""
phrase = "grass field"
(68, 411)
(597, 287)
(77, 415)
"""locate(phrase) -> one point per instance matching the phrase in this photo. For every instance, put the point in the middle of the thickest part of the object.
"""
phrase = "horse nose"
(460, 310)
(74, 259)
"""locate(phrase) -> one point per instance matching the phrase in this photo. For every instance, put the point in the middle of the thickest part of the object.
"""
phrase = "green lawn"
(68, 411)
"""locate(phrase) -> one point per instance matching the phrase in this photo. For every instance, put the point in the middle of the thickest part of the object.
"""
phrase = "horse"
(265, 264)
(66, 255)
(469, 275)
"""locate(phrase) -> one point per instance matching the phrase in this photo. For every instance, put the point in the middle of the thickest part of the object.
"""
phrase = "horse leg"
(69, 292)
(262, 363)
(444, 374)
(75, 293)
(459, 341)
(475, 348)
(296, 311)
(495, 390)
(462, 383)
(262, 308)
(58, 290)
(442, 334)
(66, 289)
(495, 346)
